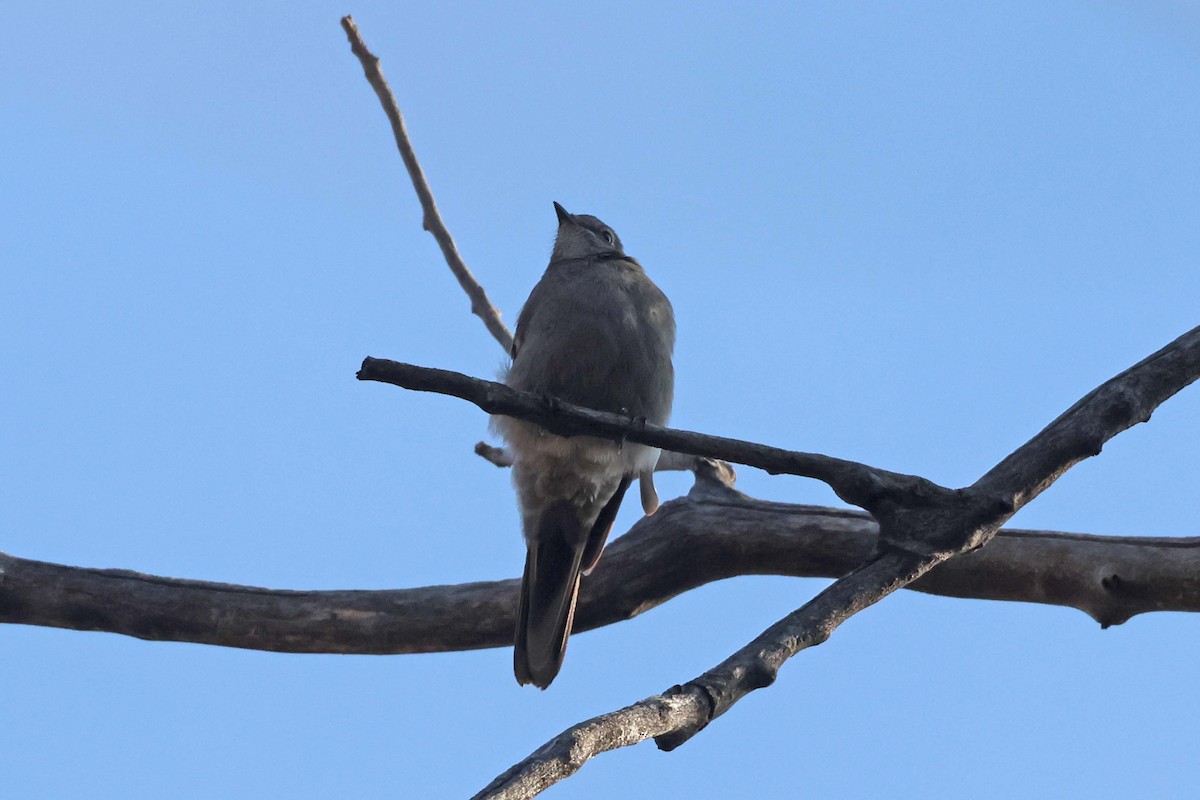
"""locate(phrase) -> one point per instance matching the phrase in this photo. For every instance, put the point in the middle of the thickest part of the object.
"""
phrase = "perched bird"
(596, 332)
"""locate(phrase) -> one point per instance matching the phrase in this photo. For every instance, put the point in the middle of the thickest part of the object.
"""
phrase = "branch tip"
(431, 220)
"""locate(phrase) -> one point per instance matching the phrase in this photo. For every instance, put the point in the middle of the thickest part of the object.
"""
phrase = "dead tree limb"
(855, 483)
(914, 513)
(674, 716)
(920, 528)
(713, 534)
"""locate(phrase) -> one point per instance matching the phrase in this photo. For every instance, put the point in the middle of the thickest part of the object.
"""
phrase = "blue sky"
(907, 234)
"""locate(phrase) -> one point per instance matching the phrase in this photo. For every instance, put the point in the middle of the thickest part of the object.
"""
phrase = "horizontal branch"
(855, 483)
(714, 534)
(914, 513)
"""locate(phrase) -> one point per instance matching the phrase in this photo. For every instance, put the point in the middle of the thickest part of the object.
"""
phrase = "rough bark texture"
(713, 534)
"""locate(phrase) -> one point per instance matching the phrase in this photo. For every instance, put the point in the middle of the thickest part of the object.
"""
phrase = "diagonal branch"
(937, 530)
(1083, 429)
(674, 716)
(481, 306)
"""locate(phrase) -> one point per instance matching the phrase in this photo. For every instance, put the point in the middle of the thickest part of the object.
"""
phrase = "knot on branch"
(669, 741)
(931, 520)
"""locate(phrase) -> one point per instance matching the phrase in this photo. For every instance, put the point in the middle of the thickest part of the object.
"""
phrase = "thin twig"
(481, 306)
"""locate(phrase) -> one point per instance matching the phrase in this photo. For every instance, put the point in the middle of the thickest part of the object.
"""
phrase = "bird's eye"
(607, 236)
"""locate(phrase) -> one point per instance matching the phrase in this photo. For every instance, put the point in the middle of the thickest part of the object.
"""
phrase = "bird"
(595, 332)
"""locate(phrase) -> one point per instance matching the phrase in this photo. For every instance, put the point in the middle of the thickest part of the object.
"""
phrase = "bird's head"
(583, 236)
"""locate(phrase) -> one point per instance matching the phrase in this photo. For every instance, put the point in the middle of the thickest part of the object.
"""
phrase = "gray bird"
(596, 332)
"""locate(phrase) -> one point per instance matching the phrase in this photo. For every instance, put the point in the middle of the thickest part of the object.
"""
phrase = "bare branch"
(1083, 429)
(562, 756)
(914, 513)
(855, 483)
(916, 534)
(676, 715)
(713, 534)
(481, 306)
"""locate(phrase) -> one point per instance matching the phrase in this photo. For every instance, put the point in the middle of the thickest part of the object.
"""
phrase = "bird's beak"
(563, 214)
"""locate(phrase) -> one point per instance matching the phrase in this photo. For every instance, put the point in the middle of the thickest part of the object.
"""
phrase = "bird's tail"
(561, 548)
(548, 592)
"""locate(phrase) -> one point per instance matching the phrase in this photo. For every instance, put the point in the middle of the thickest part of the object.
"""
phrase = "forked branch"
(930, 530)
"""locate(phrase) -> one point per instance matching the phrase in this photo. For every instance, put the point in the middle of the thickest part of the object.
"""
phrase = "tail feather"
(602, 527)
(560, 550)
(548, 593)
